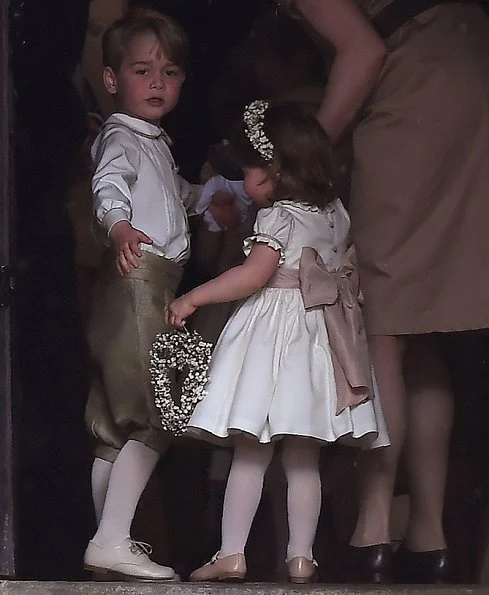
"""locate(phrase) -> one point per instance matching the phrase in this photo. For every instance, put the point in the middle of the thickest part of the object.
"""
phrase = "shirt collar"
(138, 126)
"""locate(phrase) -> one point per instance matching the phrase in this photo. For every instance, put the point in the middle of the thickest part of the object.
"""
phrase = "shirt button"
(331, 224)
(335, 249)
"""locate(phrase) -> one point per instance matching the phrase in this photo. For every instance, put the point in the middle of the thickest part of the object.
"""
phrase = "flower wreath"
(253, 117)
(179, 350)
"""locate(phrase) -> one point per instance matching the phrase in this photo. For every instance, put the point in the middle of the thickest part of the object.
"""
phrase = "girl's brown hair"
(140, 21)
(302, 165)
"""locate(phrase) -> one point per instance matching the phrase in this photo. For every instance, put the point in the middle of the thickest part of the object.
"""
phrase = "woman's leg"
(377, 468)
(300, 459)
(430, 413)
(243, 493)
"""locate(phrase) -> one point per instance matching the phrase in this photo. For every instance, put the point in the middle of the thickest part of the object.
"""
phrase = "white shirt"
(236, 187)
(136, 180)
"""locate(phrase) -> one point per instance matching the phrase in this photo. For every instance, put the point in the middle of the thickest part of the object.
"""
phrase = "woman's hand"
(178, 311)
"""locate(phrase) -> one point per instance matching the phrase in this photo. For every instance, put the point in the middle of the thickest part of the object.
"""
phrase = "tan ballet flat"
(230, 568)
(302, 570)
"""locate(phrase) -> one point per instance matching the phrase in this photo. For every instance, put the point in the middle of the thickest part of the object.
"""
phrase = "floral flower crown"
(253, 118)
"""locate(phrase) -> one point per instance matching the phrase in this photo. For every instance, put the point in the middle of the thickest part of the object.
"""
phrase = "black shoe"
(369, 565)
(421, 567)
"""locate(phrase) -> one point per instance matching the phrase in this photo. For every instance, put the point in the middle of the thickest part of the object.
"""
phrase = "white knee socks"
(100, 481)
(128, 478)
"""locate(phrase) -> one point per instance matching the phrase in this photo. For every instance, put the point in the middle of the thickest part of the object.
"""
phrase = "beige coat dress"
(420, 186)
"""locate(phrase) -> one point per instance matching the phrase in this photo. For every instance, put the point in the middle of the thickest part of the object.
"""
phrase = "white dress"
(271, 374)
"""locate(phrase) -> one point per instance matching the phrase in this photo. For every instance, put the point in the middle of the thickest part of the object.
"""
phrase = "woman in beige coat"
(414, 87)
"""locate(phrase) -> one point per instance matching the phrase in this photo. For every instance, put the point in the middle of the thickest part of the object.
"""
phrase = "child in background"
(227, 216)
(140, 201)
(277, 61)
(292, 362)
(229, 180)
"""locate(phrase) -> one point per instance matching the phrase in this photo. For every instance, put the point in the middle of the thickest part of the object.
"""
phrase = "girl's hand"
(178, 311)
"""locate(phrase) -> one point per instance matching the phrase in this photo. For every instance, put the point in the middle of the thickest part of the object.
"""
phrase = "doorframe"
(7, 532)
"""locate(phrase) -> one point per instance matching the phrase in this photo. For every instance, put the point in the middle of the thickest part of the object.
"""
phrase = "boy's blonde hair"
(141, 21)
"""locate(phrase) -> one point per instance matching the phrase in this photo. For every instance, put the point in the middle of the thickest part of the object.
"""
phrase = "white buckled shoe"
(127, 561)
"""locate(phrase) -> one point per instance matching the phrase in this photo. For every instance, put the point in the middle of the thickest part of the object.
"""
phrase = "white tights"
(300, 459)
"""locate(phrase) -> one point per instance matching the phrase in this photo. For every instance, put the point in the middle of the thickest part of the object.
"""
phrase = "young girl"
(291, 363)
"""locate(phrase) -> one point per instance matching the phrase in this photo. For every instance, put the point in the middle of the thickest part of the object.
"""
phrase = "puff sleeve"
(273, 227)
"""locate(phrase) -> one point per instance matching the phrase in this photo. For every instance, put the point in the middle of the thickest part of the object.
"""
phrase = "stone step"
(114, 588)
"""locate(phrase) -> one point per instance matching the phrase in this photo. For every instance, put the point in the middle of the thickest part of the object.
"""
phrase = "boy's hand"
(126, 242)
(178, 311)
(225, 210)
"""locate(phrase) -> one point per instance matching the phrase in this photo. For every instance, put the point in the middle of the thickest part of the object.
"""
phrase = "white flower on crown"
(253, 118)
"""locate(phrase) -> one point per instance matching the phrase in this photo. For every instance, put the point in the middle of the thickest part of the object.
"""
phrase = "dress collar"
(139, 127)
(299, 205)
(307, 207)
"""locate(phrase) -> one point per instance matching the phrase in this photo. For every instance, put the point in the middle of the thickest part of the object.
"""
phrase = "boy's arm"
(126, 239)
(189, 195)
(116, 161)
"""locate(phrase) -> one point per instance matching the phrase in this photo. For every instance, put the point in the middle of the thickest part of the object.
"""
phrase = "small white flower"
(179, 351)
(253, 118)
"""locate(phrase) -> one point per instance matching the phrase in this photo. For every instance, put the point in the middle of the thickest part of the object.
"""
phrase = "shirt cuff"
(112, 217)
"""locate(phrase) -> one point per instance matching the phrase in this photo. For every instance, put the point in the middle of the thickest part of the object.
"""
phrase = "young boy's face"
(148, 84)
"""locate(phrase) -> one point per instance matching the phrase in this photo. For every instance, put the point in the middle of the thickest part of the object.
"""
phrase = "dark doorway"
(52, 487)
(7, 516)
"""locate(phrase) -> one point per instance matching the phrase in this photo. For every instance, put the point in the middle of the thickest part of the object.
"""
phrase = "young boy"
(140, 202)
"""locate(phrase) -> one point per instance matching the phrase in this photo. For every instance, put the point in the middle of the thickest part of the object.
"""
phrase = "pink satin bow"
(338, 294)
